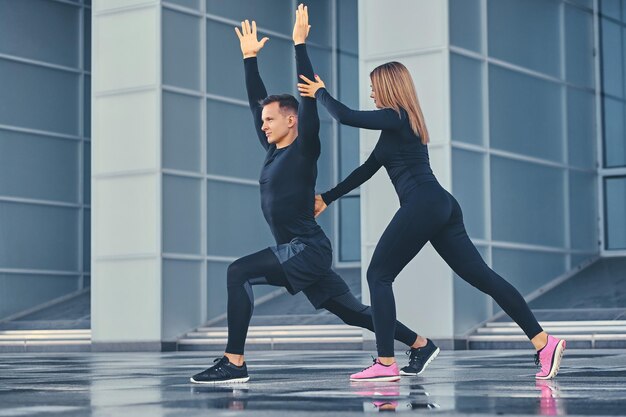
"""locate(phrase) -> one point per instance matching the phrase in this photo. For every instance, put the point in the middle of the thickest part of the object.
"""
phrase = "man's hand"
(301, 27)
(310, 88)
(250, 46)
(320, 206)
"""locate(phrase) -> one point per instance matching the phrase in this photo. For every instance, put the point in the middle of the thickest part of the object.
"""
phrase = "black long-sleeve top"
(398, 149)
(289, 174)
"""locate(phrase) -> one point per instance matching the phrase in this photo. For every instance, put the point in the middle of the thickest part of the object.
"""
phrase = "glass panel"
(182, 298)
(320, 17)
(276, 15)
(38, 167)
(87, 240)
(38, 98)
(525, 114)
(615, 189)
(468, 186)
(42, 30)
(466, 88)
(465, 24)
(470, 305)
(87, 107)
(519, 195)
(579, 47)
(527, 270)
(86, 172)
(526, 33)
(192, 4)
(610, 8)
(585, 3)
(348, 141)
(181, 50)
(230, 130)
(217, 294)
(38, 237)
(225, 75)
(325, 161)
(236, 224)
(87, 40)
(181, 215)
(350, 229)
(581, 133)
(614, 130)
(612, 65)
(579, 259)
(181, 132)
(348, 73)
(21, 291)
(583, 212)
(348, 151)
(348, 29)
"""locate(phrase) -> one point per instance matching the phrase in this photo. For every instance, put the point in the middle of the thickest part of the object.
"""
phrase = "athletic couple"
(288, 131)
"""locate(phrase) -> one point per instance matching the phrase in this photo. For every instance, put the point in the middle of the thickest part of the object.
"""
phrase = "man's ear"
(292, 120)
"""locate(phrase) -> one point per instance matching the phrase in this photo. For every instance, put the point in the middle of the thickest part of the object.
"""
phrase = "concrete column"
(126, 175)
(415, 33)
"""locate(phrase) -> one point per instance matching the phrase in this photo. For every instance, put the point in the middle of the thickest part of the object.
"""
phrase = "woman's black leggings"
(432, 214)
(264, 268)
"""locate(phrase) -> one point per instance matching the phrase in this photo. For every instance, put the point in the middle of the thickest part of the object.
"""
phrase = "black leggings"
(264, 268)
(432, 214)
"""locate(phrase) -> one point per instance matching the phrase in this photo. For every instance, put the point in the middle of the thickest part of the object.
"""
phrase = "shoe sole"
(228, 381)
(379, 379)
(432, 357)
(560, 348)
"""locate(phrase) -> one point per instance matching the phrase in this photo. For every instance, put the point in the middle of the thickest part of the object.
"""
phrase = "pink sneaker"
(378, 372)
(549, 358)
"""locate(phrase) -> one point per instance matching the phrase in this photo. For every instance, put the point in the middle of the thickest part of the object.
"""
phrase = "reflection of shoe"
(373, 389)
(420, 358)
(549, 358)
(548, 400)
(222, 372)
(385, 405)
(422, 406)
(377, 372)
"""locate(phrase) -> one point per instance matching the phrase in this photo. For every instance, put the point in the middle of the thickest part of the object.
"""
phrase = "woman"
(427, 213)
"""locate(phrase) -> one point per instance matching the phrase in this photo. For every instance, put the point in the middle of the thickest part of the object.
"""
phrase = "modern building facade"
(130, 151)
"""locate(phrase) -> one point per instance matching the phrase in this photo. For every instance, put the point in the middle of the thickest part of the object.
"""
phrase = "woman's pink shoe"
(549, 358)
(378, 372)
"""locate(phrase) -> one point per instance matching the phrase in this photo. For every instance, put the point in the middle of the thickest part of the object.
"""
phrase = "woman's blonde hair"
(393, 88)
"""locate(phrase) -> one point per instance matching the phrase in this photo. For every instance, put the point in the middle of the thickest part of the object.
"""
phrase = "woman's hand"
(320, 206)
(310, 88)
(301, 27)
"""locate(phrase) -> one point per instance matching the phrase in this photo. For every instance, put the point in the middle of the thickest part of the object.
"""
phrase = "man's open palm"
(250, 45)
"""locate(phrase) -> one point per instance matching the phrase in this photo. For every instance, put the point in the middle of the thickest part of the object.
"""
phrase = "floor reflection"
(307, 384)
(361, 396)
(550, 401)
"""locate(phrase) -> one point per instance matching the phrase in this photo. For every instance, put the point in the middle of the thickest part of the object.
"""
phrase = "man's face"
(277, 123)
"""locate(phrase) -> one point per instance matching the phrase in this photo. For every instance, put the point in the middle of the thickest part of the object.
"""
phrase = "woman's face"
(373, 96)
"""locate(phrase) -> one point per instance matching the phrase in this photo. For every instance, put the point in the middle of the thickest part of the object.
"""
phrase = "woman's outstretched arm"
(368, 119)
(354, 180)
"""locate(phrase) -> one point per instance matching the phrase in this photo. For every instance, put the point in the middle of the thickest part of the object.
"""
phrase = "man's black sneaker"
(222, 372)
(420, 358)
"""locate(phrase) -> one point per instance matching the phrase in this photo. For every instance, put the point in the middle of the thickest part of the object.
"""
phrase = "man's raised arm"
(250, 47)
(308, 118)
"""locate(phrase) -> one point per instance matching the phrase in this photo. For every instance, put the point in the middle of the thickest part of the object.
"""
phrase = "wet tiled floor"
(297, 383)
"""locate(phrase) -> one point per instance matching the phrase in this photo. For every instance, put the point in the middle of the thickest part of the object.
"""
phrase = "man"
(302, 257)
